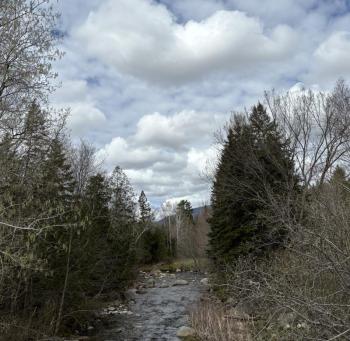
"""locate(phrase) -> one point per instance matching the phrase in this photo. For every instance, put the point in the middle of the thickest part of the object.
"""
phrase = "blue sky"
(149, 82)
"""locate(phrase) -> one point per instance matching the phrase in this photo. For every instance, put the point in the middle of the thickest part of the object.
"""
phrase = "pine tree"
(340, 184)
(123, 205)
(146, 214)
(36, 140)
(122, 233)
(255, 163)
(55, 194)
(184, 209)
(92, 256)
(339, 176)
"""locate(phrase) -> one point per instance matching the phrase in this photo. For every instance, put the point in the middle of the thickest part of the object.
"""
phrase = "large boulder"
(185, 332)
(180, 282)
(205, 281)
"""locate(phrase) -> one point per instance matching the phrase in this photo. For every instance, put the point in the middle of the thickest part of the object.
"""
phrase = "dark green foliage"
(339, 176)
(146, 214)
(93, 245)
(255, 166)
(123, 231)
(184, 209)
(75, 244)
(153, 246)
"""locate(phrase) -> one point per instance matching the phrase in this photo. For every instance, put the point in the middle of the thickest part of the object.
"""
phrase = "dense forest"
(274, 240)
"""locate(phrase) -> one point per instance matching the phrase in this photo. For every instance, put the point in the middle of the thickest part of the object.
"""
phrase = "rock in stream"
(157, 311)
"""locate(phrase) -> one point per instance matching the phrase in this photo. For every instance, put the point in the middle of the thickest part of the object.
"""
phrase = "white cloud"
(178, 130)
(162, 171)
(220, 54)
(119, 152)
(332, 56)
(201, 162)
(143, 39)
(84, 114)
(84, 117)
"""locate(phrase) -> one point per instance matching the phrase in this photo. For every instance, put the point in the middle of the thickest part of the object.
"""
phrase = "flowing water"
(155, 313)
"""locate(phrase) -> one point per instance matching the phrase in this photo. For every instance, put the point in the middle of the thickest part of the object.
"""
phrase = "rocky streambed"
(157, 308)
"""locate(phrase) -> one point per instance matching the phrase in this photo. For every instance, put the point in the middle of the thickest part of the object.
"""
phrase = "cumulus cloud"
(120, 152)
(83, 117)
(216, 55)
(143, 39)
(159, 170)
(332, 56)
(84, 113)
(201, 162)
(178, 130)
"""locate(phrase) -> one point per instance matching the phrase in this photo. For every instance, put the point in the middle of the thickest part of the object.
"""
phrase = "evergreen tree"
(146, 214)
(123, 205)
(36, 140)
(340, 184)
(339, 176)
(255, 164)
(93, 245)
(121, 236)
(184, 209)
(58, 209)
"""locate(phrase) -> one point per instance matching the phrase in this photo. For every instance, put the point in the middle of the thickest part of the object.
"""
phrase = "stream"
(156, 309)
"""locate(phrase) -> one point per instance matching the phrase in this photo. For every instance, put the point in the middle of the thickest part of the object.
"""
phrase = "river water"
(155, 313)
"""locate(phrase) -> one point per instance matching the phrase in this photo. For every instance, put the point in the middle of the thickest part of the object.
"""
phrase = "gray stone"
(180, 282)
(155, 273)
(131, 294)
(151, 283)
(205, 281)
(184, 332)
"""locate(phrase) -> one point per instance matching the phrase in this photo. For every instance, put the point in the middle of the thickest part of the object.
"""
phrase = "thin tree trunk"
(58, 322)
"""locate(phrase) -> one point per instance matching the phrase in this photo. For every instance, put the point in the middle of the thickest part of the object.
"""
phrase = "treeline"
(187, 232)
(280, 216)
(69, 233)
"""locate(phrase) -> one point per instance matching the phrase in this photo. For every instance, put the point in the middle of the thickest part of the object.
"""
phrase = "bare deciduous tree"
(83, 163)
(318, 126)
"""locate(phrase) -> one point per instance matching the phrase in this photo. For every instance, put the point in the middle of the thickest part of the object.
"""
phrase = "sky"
(149, 82)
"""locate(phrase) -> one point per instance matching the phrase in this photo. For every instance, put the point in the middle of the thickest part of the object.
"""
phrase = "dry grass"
(214, 322)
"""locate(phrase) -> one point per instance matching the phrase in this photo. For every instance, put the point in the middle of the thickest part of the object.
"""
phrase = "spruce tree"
(146, 214)
(123, 204)
(184, 209)
(121, 236)
(339, 176)
(59, 212)
(93, 245)
(255, 164)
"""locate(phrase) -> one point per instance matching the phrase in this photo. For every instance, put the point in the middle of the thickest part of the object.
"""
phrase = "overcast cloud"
(149, 82)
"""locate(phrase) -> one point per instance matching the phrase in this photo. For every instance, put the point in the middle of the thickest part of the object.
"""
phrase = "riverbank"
(158, 306)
